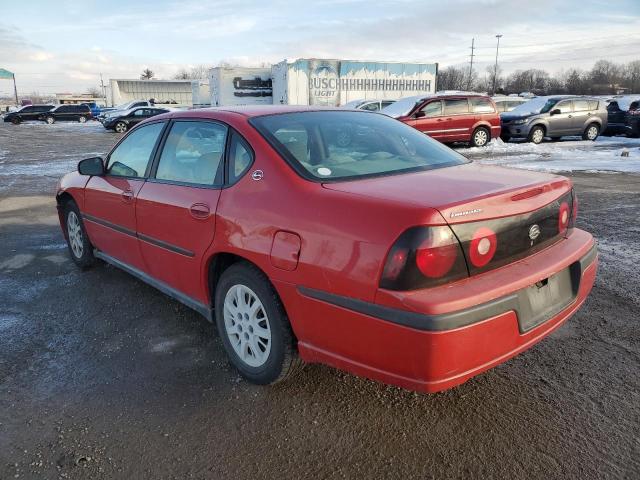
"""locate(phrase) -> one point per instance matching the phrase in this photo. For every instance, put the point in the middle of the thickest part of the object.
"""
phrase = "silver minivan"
(555, 117)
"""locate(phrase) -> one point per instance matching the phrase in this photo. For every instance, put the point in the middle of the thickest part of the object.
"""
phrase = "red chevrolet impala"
(392, 257)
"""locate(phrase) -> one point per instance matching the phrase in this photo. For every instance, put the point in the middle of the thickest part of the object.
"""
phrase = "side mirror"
(420, 114)
(555, 111)
(91, 166)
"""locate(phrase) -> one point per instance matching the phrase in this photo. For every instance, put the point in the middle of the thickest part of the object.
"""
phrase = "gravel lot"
(102, 376)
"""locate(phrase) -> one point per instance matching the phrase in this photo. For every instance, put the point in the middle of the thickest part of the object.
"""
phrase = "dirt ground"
(101, 376)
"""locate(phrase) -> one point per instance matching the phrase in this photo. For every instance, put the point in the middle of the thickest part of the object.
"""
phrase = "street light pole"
(15, 89)
(495, 71)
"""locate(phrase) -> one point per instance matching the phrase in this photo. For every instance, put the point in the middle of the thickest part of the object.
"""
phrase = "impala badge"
(257, 175)
(465, 212)
(534, 232)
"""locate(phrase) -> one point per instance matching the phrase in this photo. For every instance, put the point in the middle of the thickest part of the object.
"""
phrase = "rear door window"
(193, 153)
(131, 157)
(481, 105)
(456, 106)
(240, 158)
(593, 104)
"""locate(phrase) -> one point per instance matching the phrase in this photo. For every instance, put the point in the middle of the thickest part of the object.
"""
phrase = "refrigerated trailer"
(240, 86)
(336, 82)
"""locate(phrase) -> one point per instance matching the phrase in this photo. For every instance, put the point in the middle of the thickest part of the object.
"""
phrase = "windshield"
(533, 106)
(336, 145)
(402, 107)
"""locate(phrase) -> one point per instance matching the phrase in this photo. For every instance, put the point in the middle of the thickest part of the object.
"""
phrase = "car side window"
(456, 106)
(564, 107)
(481, 105)
(580, 105)
(240, 158)
(193, 153)
(432, 109)
(593, 104)
(131, 157)
(138, 113)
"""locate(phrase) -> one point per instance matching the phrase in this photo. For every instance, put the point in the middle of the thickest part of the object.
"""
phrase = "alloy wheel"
(538, 135)
(480, 138)
(74, 232)
(121, 127)
(592, 132)
(247, 325)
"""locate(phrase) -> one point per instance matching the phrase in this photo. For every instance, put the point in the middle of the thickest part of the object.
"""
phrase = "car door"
(561, 123)
(109, 201)
(581, 115)
(429, 120)
(137, 116)
(176, 207)
(457, 120)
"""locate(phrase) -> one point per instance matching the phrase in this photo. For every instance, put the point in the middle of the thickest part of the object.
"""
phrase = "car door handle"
(570, 116)
(127, 195)
(199, 210)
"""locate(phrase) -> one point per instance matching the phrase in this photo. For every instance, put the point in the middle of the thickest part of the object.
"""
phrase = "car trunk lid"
(516, 212)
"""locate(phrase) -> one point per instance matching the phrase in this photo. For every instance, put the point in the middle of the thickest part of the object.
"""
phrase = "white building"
(177, 93)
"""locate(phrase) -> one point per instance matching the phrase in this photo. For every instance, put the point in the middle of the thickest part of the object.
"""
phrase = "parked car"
(95, 109)
(450, 117)
(372, 105)
(621, 112)
(506, 104)
(67, 113)
(555, 117)
(30, 112)
(395, 258)
(633, 119)
(124, 106)
(121, 121)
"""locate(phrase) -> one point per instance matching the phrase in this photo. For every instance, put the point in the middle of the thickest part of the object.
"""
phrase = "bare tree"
(453, 78)
(94, 92)
(147, 74)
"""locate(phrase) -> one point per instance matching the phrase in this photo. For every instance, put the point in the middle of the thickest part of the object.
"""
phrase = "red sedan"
(392, 257)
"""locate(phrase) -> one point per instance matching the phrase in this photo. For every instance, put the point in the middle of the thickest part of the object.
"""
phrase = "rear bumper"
(431, 342)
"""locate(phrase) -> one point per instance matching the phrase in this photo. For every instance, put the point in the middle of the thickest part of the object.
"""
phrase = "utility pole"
(495, 71)
(471, 65)
(15, 89)
(104, 92)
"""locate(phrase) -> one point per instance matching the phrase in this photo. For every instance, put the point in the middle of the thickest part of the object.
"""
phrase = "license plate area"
(548, 297)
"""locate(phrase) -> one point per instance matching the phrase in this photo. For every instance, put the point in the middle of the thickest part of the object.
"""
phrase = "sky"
(64, 45)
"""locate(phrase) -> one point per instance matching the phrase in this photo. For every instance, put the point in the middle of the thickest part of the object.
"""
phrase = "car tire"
(591, 132)
(244, 325)
(15, 121)
(480, 137)
(505, 138)
(536, 135)
(78, 242)
(82, 119)
(120, 127)
(50, 120)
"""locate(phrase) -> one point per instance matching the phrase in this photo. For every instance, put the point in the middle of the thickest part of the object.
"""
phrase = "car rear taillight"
(423, 257)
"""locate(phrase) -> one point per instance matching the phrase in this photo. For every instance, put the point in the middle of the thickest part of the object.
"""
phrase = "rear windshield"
(333, 145)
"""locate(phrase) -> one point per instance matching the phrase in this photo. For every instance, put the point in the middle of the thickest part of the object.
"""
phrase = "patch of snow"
(604, 155)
